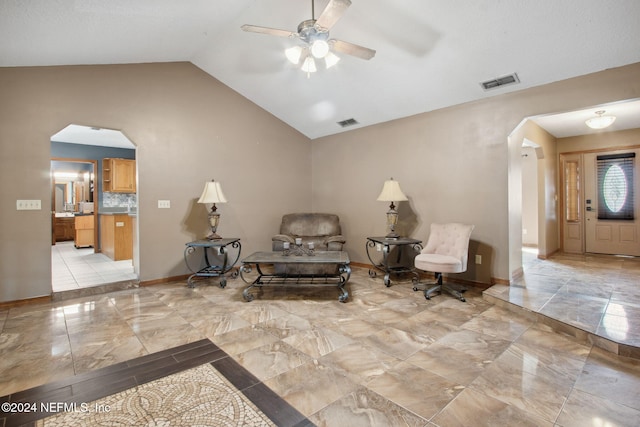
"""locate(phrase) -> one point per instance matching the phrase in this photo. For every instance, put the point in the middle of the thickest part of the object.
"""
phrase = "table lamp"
(213, 194)
(391, 192)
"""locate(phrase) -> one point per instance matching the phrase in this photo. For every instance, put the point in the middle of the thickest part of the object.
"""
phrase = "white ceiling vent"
(500, 81)
(348, 122)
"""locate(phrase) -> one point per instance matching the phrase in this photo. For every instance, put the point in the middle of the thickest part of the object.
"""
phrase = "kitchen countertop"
(132, 213)
(70, 214)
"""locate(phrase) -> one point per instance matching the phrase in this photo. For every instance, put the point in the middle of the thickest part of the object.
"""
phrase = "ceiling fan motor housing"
(309, 33)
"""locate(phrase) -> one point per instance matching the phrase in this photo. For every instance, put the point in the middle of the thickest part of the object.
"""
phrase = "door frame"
(94, 193)
(582, 204)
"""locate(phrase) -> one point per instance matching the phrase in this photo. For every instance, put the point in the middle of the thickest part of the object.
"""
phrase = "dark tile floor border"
(113, 379)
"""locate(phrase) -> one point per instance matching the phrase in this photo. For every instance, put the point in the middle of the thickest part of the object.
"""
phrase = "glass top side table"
(220, 251)
(389, 266)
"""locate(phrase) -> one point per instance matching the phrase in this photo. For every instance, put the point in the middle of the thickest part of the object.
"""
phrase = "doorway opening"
(563, 136)
(80, 207)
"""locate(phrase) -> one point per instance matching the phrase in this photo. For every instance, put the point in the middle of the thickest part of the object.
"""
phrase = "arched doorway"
(77, 260)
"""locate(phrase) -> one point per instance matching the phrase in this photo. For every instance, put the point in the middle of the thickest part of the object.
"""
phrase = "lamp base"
(213, 236)
(392, 236)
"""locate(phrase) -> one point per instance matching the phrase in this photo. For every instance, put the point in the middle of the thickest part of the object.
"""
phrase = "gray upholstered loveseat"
(321, 229)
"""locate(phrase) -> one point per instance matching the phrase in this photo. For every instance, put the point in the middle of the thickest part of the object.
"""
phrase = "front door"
(611, 202)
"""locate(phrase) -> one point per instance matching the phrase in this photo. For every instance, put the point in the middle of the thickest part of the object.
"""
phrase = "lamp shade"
(294, 54)
(319, 48)
(331, 59)
(212, 193)
(391, 192)
(309, 65)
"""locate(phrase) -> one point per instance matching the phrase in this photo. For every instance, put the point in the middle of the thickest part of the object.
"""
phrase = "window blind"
(616, 186)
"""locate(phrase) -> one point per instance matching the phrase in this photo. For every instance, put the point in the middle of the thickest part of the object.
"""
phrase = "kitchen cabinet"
(116, 236)
(118, 175)
(63, 228)
(84, 231)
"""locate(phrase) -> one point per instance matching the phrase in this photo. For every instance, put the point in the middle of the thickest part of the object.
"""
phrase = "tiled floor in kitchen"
(73, 268)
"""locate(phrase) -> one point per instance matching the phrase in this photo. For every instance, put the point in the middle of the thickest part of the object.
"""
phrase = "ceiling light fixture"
(600, 122)
(314, 35)
(331, 59)
(293, 54)
(309, 65)
(316, 46)
(319, 48)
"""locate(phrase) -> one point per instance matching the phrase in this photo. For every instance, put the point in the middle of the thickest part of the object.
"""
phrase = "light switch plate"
(28, 205)
(164, 204)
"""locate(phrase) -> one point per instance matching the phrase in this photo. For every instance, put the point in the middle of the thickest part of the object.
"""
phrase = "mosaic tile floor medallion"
(199, 396)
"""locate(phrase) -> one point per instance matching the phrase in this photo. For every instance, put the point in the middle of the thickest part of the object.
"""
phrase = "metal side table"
(221, 255)
(387, 266)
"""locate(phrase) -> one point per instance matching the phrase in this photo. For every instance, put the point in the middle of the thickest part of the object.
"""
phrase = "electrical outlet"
(28, 205)
(478, 259)
(378, 247)
(164, 204)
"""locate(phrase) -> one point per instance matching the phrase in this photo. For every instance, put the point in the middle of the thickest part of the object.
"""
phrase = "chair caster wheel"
(415, 289)
(463, 300)
(427, 297)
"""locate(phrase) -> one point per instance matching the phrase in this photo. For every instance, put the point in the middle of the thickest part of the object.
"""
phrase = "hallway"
(592, 297)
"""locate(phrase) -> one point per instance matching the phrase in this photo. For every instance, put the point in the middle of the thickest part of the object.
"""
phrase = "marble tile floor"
(138, 378)
(596, 297)
(73, 268)
(385, 357)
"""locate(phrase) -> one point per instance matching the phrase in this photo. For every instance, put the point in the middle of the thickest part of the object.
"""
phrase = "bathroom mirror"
(74, 183)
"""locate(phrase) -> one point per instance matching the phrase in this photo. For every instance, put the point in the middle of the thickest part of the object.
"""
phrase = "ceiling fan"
(314, 33)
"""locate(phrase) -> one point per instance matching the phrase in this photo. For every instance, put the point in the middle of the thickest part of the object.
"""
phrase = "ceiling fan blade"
(330, 15)
(267, 30)
(352, 49)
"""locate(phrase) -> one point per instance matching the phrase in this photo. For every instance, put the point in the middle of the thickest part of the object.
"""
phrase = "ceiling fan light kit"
(320, 48)
(314, 34)
(309, 65)
(293, 54)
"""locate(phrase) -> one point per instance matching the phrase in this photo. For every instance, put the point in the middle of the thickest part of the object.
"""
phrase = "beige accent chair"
(321, 229)
(446, 251)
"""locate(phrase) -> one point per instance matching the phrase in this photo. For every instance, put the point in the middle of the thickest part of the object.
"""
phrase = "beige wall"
(529, 197)
(546, 174)
(188, 128)
(454, 164)
(624, 138)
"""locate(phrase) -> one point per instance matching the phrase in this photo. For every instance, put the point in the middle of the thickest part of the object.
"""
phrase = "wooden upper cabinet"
(118, 175)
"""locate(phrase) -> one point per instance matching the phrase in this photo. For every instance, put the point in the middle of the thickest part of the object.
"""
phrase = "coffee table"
(263, 259)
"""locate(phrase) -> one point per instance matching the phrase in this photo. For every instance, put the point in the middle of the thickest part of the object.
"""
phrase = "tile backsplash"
(119, 200)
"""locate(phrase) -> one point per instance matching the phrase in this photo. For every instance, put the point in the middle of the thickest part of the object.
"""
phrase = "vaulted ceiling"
(429, 54)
